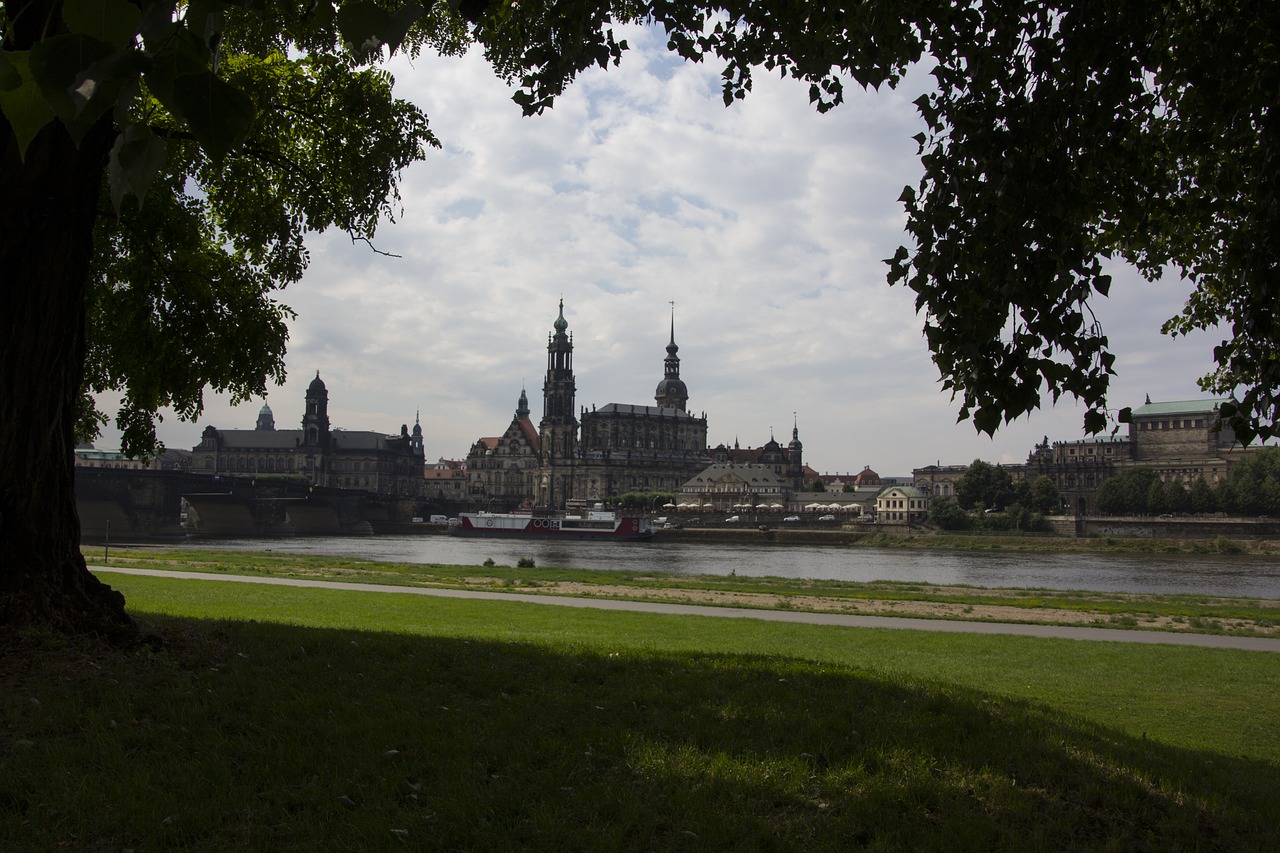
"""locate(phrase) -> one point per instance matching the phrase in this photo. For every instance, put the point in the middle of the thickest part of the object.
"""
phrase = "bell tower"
(672, 392)
(559, 428)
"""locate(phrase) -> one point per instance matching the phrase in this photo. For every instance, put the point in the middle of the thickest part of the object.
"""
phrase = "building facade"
(323, 455)
(902, 505)
(588, 455)
(503, 468)
(1181, 441)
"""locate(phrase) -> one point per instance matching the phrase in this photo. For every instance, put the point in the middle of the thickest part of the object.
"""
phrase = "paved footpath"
(1070, 632)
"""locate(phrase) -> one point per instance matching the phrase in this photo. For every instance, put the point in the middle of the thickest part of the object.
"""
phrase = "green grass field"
(288, 719)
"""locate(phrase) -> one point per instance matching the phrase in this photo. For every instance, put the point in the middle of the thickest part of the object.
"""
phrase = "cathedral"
(589, 455)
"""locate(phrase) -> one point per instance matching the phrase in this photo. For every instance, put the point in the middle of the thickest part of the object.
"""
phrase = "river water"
(1244, 576)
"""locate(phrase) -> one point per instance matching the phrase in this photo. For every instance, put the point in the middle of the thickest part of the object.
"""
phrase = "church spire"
(672, 392)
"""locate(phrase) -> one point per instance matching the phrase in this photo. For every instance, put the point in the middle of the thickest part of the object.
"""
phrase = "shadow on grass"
(270, 737)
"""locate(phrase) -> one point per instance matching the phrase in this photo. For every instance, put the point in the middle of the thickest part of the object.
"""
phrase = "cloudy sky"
(765, 223)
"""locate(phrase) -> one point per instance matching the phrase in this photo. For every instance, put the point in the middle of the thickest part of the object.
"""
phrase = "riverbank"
(1259, 617)
(923, 538)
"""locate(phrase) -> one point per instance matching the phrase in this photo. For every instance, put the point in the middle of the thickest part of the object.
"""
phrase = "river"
(1244, 576)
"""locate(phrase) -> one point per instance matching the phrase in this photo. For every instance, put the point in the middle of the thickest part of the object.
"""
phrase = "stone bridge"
(122, 503)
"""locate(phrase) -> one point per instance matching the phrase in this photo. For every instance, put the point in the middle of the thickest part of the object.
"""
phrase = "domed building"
(348, 459)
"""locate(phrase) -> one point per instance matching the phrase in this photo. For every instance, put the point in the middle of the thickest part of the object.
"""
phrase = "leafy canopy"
(239, 130)
(1058, 136)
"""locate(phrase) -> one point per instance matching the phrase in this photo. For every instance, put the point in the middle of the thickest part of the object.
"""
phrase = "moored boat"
(601, 525)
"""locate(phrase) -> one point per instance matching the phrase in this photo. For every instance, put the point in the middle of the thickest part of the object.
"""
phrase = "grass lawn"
(285, 719)
(1185, 613)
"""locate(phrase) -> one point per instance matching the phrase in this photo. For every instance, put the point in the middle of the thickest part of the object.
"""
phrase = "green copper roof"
(1182, 407)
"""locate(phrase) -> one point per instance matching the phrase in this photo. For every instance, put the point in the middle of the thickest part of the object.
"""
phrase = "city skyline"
(765, 222)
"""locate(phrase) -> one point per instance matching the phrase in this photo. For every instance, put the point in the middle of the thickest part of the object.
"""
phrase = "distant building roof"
(1180, 407)
(651, 411)
(259, 439)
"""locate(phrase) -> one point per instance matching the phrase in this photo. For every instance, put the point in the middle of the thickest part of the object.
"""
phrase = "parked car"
(670, 525)
(733, 519)
(826, 518)
(792, 518)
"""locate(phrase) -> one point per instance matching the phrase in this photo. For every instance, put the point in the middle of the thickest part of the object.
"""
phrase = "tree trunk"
(48, 205)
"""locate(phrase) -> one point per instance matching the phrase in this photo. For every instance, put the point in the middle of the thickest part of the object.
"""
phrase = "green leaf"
(218, 113)
(399, 22)
(21, 100)
(56, 64)
(112, 21)
(205, 18)
(136, 158)
(364, 29)
(98, 89)
(181, 55)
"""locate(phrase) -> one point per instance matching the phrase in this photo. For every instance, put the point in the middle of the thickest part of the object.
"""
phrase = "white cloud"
(766, 223)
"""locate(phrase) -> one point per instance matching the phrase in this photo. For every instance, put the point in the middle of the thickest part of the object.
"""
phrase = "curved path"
(1070, 632)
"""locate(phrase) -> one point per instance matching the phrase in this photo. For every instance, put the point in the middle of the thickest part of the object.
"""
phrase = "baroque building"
(502, 468)
(326, 456)
(1180, 440)
(588, 455)
(787, 463)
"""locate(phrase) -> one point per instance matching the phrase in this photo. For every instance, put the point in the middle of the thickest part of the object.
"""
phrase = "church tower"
(415, 443)
(315, 423)
(315, 432)
(795, 462)
(266, 420)
(672, 393)
(559, 428)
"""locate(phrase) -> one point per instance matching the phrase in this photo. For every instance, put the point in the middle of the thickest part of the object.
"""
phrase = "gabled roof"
(530, 433)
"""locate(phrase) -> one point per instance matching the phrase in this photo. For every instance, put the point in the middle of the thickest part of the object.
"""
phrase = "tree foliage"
(240, 131)
(1251, 487)
(1058, 137)
(984, 486)
(213, 135)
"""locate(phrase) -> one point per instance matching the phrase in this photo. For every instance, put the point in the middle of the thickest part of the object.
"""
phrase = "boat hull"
(597, 527)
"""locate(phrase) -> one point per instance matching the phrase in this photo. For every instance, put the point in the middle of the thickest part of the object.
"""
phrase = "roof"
(259, 439)
(754, 476)
(343, 439)
(650, 411)
(905, 491)
(1180, 407)
(530, 433)
(289, 439)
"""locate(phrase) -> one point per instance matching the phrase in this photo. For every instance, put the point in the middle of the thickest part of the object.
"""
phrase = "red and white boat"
(601, 525)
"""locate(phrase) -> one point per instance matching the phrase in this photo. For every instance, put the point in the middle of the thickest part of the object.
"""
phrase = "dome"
(672, 388)
(317, 384)
(561, 323)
